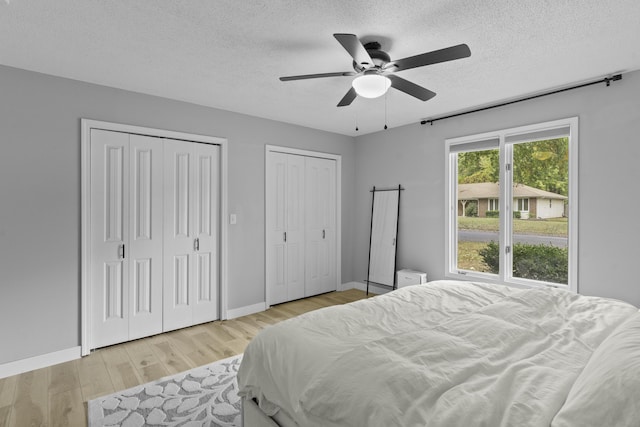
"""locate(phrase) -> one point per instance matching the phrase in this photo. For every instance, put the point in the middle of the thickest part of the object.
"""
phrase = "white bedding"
(443, 354)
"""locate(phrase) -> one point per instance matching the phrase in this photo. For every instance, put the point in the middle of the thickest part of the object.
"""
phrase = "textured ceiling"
(229, 53)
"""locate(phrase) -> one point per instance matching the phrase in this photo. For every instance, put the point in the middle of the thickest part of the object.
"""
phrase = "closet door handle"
(121, 251)
(323, 234)
(196, 244)
(285, 236)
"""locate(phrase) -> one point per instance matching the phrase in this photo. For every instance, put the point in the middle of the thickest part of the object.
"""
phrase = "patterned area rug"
(204, 396)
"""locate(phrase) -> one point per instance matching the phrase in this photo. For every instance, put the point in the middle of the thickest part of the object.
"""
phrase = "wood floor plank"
(215, 346)
(31, 406)
(7, 390)
(220, 332)
(275, 315)
(291, 310)
(141, 354)
(203, 357)
(153, 372)
(57, 396)
(95, 380)
(121, 369)
(237, 346)
(252, 325)
(5, 416)
(66, 409)
(64, 377)
(263, 319)
(182, 341)
(170, 357)
(228, 352)
(196, 329)
(210, 343)
(239, 330)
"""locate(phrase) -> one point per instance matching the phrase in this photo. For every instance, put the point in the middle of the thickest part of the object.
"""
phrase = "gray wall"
(40, 191)
(609, 172)
(40, 197)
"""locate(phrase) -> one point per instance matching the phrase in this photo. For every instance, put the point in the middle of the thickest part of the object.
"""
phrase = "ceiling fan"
(375, 70)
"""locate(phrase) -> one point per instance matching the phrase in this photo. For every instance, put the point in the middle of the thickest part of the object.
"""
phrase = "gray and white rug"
(204, 396)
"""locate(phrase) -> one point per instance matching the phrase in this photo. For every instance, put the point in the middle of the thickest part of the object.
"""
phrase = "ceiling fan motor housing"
(379, 57)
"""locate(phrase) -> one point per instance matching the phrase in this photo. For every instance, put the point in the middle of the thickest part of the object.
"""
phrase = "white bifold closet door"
(126, 236)
(301, 226)
(190, 233)
(320, 226)
(154, 235)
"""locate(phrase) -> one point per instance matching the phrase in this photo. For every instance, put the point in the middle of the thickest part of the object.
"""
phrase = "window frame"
(507, 203)
(521, 201)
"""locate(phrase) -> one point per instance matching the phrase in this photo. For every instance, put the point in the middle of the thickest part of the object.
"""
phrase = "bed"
(449, 353)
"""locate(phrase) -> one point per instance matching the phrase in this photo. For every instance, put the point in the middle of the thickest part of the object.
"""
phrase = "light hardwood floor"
(57, 395)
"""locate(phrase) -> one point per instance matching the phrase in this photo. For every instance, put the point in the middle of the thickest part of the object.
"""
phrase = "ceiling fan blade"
(316, 76)
(434, 57)
(352, 45)
(410, 88)
(348, 98)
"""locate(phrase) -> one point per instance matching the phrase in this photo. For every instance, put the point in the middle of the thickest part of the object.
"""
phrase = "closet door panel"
(320, 237)
(146, 239)
(178, 243)
(295, 220)
(276, 260)
(206, 210)
(109, 226)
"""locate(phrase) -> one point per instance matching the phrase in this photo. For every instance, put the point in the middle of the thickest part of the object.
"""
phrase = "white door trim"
(85, 203)
(308, 153)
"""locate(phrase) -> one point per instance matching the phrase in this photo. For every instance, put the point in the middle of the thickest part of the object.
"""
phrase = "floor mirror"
(383, 238)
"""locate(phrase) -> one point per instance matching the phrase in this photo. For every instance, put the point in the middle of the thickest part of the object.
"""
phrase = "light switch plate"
(232, 219)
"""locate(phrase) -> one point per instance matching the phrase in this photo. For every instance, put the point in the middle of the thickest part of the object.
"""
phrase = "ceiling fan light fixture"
(371, 85)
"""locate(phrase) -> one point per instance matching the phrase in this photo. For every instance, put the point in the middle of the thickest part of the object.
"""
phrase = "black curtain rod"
(606, 80)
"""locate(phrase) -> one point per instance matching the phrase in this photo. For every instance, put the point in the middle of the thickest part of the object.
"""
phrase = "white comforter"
(443, 354)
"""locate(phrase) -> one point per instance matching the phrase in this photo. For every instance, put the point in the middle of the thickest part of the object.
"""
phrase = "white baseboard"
(373, 289)
(29, 364)
(246, 310)
(350, 285)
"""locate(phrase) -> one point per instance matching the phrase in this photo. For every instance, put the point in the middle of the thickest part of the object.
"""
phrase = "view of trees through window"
(540, 196)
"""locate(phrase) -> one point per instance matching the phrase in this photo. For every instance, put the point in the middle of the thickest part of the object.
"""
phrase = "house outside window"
(522, 205)
(529, 174)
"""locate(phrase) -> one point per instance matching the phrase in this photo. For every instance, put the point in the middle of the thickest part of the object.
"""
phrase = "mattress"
(443, 354)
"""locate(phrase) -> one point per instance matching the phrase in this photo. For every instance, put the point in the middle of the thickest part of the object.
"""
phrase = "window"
(515, 172)
(522, 205)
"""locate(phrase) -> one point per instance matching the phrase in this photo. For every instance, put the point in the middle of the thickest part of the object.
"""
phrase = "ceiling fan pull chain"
(385, 111)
